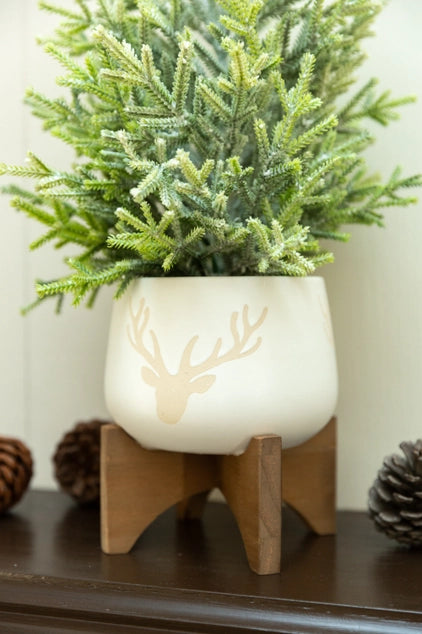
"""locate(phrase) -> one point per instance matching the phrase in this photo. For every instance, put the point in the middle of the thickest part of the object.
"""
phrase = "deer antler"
(136, 339)
(236, 351)
(174, 390)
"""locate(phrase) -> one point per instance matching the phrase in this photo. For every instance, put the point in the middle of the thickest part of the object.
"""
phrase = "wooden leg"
(137, 485)
(251, 484)
(192, 508)
(309, 480)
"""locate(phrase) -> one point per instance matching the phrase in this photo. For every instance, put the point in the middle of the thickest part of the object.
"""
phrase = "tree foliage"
(212, 137)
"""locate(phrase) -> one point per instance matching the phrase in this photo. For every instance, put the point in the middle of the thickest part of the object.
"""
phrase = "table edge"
(143, 607)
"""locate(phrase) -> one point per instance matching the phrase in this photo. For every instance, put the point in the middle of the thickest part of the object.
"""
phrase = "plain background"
(51, 367)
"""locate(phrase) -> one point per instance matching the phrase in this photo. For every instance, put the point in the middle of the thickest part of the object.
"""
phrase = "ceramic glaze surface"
(203, 364)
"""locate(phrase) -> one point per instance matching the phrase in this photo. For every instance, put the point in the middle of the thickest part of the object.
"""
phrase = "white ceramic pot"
(202, 364)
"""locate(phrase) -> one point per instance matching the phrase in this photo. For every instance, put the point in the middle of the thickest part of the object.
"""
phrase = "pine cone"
(15, 471)
(77, 462)
(395, 499)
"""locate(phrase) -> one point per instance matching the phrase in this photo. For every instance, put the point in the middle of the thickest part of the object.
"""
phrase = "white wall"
(52, 367)
(375, 285)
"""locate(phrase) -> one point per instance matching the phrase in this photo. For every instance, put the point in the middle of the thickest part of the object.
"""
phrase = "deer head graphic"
(173, 390)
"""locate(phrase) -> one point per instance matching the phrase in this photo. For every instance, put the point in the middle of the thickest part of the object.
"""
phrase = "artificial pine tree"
(209, 136)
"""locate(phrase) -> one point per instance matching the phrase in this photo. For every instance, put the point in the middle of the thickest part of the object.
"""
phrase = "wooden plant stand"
(138, 484)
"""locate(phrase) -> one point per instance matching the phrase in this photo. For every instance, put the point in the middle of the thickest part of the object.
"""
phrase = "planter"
(201, 365)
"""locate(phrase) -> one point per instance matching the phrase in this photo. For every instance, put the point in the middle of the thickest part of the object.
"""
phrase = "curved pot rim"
(202, 278)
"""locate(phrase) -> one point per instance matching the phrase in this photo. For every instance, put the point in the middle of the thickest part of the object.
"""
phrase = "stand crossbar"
(138, 484)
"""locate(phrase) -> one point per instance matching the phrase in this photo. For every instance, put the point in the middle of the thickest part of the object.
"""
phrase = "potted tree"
(217, 144)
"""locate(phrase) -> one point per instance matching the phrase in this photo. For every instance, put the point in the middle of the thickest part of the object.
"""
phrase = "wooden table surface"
(194, 577)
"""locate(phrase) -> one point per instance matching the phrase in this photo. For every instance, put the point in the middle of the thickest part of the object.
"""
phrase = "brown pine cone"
(395, 499)
(77, 462)
(15, 471)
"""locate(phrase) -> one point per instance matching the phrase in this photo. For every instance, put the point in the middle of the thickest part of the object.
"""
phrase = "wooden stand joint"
(137, 485)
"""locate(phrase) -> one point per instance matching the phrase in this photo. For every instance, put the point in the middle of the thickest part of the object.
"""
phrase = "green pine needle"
(208, 139)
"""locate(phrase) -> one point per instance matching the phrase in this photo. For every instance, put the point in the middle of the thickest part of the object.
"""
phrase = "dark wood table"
(194, 577)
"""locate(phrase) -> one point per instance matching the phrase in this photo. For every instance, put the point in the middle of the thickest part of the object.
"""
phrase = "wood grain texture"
(309, 479)
(251, 484)
(137, 485)
(193, 577)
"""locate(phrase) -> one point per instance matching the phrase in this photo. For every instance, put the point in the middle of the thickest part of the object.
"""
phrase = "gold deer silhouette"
(174, 390)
